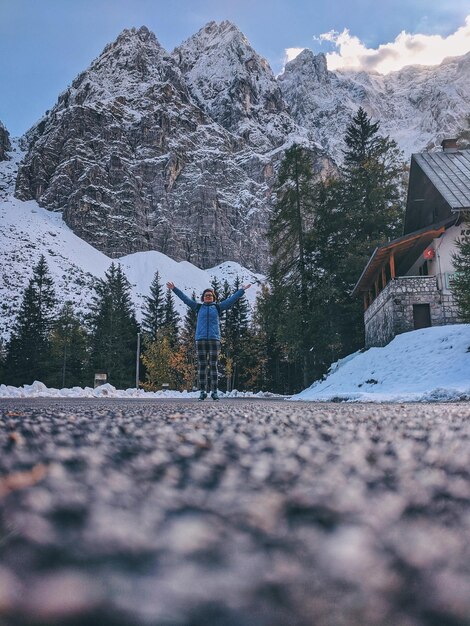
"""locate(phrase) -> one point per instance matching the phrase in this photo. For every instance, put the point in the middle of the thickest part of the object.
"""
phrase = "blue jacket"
(208, 323)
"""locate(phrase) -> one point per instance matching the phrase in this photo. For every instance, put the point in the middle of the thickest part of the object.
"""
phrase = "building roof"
(404, 247)
(449, 172)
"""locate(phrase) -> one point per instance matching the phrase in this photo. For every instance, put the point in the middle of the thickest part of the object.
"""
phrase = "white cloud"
(291, 53)
(407, 49)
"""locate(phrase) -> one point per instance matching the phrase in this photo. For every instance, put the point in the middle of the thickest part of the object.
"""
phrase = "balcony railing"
(380, 293)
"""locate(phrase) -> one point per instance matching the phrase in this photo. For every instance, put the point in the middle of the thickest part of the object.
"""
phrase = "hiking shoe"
(202, 395)
(214, 395)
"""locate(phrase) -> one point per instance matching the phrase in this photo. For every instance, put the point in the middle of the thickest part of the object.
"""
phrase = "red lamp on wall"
(428, 254)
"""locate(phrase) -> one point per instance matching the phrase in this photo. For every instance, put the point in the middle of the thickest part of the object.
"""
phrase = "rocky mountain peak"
(308, 65)
(143, 34)
(234, 84)
(131, 39)
(225, 49)
(5, 145)
(126, 67)
(134, 163)
(220, 33)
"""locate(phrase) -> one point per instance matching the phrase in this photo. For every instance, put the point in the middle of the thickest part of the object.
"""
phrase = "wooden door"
(421, 316)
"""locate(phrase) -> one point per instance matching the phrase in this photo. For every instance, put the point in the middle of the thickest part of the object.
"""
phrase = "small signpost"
(100, 379)
(137, 362)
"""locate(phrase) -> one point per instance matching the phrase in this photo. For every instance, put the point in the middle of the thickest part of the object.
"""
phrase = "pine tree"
(69, 355)
(263, 375)
(372, 209)
(236, 340)
(327, 250)
(224, 293)
(3, 356)
(292, 216)
(263, 351)
(321, 235)
(216, 286)
(153, 312)
(171, 320)
(28, 353)
(225, 360)
(187, 358)
(291, 220)
(373, 172)
(114, 329)
(461, 282)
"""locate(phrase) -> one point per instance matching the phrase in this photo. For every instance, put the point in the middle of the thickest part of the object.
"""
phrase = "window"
(424, 269)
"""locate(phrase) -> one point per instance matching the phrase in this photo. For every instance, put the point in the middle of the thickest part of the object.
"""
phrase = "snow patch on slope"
(427, 365)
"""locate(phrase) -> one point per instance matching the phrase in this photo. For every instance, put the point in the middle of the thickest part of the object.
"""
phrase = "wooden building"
(406, 282)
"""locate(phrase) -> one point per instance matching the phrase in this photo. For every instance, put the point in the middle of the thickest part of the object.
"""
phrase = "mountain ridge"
(127, 144)
(418, 106)
(178, 152)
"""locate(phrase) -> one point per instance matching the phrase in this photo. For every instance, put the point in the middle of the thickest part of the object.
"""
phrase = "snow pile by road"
(428, 365)
(39, 390)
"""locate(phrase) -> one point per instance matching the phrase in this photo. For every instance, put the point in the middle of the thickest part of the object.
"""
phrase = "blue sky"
(44, 44)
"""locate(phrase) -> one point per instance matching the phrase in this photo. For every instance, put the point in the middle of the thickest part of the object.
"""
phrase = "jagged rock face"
(417, 106)
(135, 164)
(235, 85)
(5, 145)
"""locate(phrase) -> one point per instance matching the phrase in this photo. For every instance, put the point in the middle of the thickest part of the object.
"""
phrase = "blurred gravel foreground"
(237, 513)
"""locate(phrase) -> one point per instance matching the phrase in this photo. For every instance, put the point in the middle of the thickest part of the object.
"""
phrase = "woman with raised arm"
(208, 333)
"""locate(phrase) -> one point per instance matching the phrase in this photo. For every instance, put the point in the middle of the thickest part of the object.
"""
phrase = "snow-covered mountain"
(27, 231)
(178, 152)
(135, 162)
(236, 86)
(418, 106)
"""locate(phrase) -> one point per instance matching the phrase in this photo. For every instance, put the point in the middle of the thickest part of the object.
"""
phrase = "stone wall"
(379, 319)
(391, 313)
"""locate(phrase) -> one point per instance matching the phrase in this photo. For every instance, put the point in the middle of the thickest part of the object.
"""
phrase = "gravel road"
(237, 513)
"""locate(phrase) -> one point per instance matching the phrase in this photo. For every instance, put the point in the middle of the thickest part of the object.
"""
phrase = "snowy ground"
(39, 390)
(428, 365)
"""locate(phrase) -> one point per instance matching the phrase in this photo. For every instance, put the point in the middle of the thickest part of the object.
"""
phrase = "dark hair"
(212, 291)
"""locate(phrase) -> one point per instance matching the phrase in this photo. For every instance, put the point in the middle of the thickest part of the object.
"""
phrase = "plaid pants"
(207, 349)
